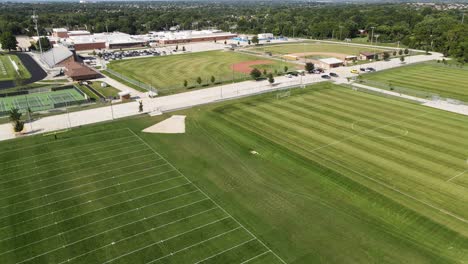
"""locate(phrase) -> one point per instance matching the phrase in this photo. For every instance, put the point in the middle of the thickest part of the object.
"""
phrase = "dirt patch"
(245, 67)
(173, 125)
(340, 56)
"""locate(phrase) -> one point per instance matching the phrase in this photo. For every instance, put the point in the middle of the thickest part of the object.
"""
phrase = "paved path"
(193, 98)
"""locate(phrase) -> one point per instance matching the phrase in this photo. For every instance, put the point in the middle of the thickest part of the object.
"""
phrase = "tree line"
(424, 28)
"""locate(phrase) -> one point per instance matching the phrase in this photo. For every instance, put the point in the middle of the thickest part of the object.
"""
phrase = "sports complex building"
(83, 40)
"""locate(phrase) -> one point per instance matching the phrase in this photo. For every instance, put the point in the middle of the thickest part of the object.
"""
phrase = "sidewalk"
(197, 97)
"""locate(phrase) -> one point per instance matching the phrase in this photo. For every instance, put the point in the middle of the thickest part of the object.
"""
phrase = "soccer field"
(8, 71)
(425, 79)
(110, 198)
(326, 175)
(167, 73)
(316, 47)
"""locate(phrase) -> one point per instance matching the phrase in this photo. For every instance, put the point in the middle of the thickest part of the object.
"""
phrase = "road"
(190, 99)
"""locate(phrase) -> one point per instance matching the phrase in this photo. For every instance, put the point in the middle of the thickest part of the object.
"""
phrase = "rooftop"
(331, 60)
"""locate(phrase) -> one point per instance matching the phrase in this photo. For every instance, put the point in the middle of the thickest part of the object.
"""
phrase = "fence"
(132, 81)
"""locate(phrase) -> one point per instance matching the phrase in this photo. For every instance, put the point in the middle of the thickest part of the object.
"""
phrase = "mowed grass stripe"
(95, 216)
(304, 136)
(52, 181)
(427, 77)
(398, 216)
(416, 124)
(300, 112)
(45, 191)
(440, 124)
(115, 190)
(120, 228)
(380, 166)
(41, 166)
(36, 202)
(70, 143)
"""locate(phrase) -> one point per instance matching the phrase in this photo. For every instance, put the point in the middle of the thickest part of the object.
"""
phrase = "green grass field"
(168, 73)
(8, 72)
(314, 47)
(340, 177)
(39, 101)
(425, 78)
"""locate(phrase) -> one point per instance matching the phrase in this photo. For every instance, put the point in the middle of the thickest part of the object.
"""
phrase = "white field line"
(458, 175)
(32, 157)
(226, 250)
(152, 229)
(95, 190)
(86, 168)
(248, 231)
(44, 164)
(76, 205)
(169, 238)
(79, 227)
(62, 140)
(74, 179)
(400, 192)
(365, 132)
(66, 167)
(259, 255)
(96, 210)
(194, 245)
(75, 242)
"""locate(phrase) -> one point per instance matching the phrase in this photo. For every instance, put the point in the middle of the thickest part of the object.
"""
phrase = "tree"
(199, 80)
(400, 52)
(271, 80)
(18, 126)
(177, 47)
(213, 79)
(386, 55)
(8, 41)
(185, 83)
(15, 115)
(183, 48)
(394, 53)
(45, 44)
(264, 72)
(249, 42)
(255, 40)
(255, 73)
(402, 59)
(286, 68)
(140, 106)
(225, 42)
(309, 67)
(406, 51)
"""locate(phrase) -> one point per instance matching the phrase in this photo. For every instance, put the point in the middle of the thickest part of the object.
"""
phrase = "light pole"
(372, 36)
(341, 29)
(35, 18)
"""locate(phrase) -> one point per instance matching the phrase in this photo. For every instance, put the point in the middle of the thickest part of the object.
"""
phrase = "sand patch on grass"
(173, 125)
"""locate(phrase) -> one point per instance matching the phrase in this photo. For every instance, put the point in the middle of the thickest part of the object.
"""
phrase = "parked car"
(363, 69)
(355, 71)
(370, 69)
(293, 73)
(325, 76)
(332, 74)
(289, 75)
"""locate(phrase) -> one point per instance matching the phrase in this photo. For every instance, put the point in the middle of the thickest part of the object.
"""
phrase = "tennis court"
(40, 101)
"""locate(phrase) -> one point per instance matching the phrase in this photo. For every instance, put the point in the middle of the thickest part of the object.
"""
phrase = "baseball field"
(168, 73)
(11, 67)
(427, 79)
(322, 174)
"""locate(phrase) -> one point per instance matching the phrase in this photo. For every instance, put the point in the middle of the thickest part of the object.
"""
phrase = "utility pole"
(372, 36)
(35, 18)
(463, 18)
